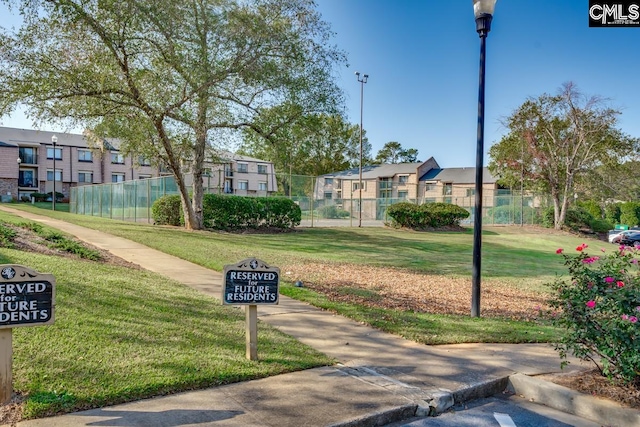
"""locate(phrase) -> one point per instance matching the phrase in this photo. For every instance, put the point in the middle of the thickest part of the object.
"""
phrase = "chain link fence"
(132, 201)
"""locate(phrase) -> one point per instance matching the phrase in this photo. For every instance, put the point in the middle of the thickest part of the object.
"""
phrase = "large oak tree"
(169, 79)
(556, 140)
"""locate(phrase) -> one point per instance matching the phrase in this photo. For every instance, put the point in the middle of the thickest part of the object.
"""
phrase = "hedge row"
(232, 213)
(428, 215)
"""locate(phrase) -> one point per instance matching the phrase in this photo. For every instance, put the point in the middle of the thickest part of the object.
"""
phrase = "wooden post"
(6, 358)
(251, 312)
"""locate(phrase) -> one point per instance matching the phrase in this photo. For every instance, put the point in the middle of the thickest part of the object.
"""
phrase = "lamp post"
(54, 140)
(483, 10)
(362, 81)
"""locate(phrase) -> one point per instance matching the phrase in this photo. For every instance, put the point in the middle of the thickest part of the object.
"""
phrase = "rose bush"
(599, 310)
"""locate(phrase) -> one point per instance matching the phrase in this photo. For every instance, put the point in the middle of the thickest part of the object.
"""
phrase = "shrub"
(612, 213)
(429, 215)
(332, 212)
(601, 225)
(238, 213)
(167, 210)
(629, 213)
(599, 310)
(575, 218)
(592, 207)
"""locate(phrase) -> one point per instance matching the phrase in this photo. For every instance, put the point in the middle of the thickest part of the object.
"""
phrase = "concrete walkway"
(380, 377)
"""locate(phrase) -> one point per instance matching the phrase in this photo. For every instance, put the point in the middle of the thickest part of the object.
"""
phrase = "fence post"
(313, 184)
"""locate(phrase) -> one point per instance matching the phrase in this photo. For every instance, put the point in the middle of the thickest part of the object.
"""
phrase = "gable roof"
(26, 137)
(458, 175)
(376, 171)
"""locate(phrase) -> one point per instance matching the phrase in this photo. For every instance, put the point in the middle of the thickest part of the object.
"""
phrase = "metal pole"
(522, 187)
(53, 198)
(477, 223)
(362, 82)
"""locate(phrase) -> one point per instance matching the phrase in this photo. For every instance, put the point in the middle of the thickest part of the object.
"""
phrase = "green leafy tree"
(555, 140)
(314, 144)
(169, 79)
(392, 152)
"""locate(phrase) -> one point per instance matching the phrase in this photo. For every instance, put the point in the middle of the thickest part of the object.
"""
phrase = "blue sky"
(422, 59)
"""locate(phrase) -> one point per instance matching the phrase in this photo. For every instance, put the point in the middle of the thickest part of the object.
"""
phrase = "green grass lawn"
(149, 328)
(124, 334)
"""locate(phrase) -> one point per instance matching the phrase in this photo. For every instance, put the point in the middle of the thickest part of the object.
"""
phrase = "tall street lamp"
(362, 81)
(54, 140)
(483, 10)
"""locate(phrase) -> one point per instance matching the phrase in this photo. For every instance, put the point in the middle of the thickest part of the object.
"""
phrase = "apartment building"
(31, 162)
(385, 184)
(230, 173)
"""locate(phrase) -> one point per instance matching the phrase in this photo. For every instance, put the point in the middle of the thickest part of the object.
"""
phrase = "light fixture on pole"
(54, 140)
(362, 81)
(483, 10)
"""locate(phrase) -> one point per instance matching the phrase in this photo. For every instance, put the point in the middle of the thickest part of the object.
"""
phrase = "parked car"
(617, 237)
(630, 239)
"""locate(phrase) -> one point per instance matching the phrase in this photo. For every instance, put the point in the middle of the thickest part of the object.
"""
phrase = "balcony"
(228, 172)
(26, 183)
(28, 158)
(383, 185)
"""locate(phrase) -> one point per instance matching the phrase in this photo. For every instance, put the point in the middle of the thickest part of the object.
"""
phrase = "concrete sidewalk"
(380, 377)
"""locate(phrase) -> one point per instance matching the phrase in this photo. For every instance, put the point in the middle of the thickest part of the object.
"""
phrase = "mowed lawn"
(123, 334)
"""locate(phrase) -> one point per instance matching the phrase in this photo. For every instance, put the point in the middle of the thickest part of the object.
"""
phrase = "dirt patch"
(593, 383)
(404, 290)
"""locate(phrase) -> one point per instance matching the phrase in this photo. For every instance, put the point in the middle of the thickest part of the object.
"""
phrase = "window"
(447, 190)
(356, 185)
(471, 192)
(403, 194)
(117, 177)
(243, 185)
(262, 186)
(403, 179)
(262, 169)
(117, 159)
(26, 178)
(227, 187)
(50, 174)
(328, 181)
(328, 195)
(144, 176)
(430, 187)
(386, 183)
(85, 155)
(143, 161)
(243, 167)
(58, 153)
(85, 177)
(27, 156)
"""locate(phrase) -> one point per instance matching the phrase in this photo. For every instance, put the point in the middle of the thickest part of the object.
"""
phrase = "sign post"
(251, 282)
(27, 298)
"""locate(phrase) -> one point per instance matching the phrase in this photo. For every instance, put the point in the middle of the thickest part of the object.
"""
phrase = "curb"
(432, 405)
(573, 402)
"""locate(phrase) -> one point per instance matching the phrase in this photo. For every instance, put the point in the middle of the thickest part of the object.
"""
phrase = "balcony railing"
(26, 183)
(228, 172)
(28, 159)
(385, 184)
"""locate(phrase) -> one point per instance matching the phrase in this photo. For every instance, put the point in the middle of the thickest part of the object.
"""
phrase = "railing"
(28, 159)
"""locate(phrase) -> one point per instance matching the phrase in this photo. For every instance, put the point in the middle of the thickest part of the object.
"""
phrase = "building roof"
(6, 144)
(228, 155)
(376, 171)
(25, 137)
(458, 175)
